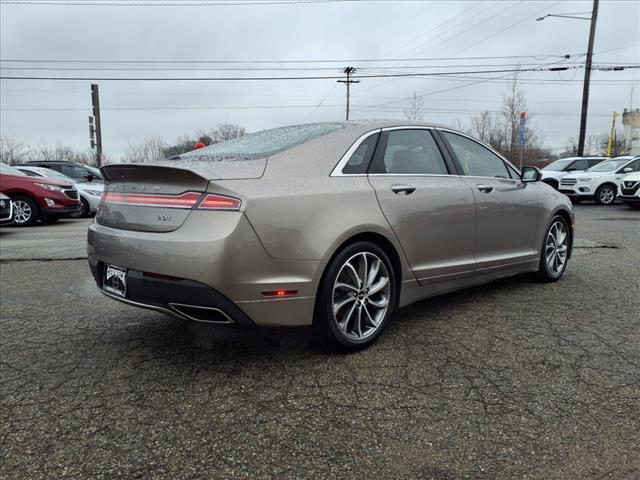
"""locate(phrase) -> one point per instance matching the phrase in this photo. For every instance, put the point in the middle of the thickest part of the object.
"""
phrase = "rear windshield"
(264, 143)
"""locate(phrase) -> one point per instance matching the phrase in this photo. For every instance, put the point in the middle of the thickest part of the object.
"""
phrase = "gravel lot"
(511, 380)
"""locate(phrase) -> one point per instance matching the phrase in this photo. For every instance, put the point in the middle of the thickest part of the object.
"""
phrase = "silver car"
(333, 225)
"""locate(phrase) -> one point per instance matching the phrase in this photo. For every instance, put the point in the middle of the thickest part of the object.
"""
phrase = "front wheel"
(84, 211)
(25, 211)
(555, 250)
(357, 297)
(605, 195)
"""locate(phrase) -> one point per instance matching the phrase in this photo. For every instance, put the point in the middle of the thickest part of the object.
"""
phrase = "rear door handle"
(485, 188)
(403, 189)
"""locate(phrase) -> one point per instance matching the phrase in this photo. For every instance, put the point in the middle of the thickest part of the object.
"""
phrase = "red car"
(37, 198)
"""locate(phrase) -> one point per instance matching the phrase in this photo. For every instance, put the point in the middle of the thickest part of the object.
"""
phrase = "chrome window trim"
(337, 170)
(413, 175)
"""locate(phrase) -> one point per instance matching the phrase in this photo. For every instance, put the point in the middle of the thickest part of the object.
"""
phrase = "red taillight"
(160, 276)
(219, 202)
(280, 293)
(186, 200)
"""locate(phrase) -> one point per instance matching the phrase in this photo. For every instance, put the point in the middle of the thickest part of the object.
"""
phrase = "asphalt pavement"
(511, 380)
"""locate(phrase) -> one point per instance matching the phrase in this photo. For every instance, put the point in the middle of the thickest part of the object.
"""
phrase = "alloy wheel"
(607, 195)
(361, 295)
(556, 247)
(22, 212)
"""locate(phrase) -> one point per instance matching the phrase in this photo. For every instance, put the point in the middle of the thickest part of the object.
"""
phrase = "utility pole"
(612, 134)
(587, 79)
(348, 71)
(95, 102)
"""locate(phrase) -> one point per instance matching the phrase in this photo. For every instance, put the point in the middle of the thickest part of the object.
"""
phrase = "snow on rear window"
(264, 143)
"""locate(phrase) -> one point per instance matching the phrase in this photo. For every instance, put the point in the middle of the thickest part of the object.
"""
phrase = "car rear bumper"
(219, 264)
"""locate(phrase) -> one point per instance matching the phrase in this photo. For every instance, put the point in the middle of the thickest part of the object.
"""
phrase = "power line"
(126, 3)
(542, 56)
(317, 77)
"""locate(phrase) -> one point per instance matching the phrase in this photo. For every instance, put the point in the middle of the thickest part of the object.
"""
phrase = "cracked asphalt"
(514, 379)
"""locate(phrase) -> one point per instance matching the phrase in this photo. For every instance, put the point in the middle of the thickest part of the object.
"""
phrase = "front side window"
(634, 166)
(74, 171)
(411, 152)
(579, 165)
(476, 160)
(359, 161)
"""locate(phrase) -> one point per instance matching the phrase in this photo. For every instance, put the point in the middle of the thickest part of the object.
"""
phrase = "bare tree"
(513, 103)
(415, 110)
(147, 150)
(227, 131)
(12, 151)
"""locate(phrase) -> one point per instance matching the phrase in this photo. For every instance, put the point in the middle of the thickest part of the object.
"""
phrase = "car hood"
(43, 180)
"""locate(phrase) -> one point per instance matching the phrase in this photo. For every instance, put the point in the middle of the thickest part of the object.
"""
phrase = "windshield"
(264, 143)
(559, 165)
(7, 170)
(52, 174)
(608, 166)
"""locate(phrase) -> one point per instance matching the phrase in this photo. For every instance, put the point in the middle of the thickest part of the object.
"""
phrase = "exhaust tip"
(201, 314)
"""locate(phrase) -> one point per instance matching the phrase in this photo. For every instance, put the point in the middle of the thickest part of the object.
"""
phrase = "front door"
(430, 209)
(507, 208)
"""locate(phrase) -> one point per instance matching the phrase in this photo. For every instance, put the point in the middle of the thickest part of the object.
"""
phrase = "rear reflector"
(160, 276)
(280, 293)
(186, 200)
(219, 202)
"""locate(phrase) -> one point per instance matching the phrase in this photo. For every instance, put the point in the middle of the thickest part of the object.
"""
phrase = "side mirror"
(89, 177)
(628, 170)
(531, 174)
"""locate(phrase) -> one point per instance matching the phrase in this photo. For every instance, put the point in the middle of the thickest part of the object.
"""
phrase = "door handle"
(485, 188)
(403, 189)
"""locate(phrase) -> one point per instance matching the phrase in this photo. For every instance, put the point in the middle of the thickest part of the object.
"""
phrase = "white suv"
(629, 191)
(555, 171)
(599, 183)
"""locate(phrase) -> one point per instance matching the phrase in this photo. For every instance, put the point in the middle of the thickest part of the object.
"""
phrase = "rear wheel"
(555, 250)
(25, 211)
(357, 297)
(605, 195)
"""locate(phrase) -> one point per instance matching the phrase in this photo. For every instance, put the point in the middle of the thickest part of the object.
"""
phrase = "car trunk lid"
(160, 197)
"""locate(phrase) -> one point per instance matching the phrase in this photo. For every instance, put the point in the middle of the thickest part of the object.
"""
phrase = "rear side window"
(359, 161)
(476, 160)
(410, 152)
(74, 171)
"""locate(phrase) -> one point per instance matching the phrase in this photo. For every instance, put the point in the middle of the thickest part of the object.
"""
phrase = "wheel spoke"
(372, 321)
(359, 322)
(337, 307)
(379, 285)
(373, 272)
(347, 286)
(344, 325)
(383, 303)
(353, 272)
(364, 270)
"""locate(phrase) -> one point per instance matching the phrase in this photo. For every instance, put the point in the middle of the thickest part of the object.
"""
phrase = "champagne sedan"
(331, 225)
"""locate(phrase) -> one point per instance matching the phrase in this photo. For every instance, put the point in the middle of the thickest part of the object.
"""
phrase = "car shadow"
(200, 343)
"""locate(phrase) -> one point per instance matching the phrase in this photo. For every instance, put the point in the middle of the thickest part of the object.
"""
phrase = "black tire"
(25, 211)
(84, 212)
(359, 317)
(545, 272)
(606, 194)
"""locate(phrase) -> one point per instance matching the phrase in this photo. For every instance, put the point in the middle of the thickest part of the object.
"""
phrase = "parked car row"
(601, 179)
(39, 192)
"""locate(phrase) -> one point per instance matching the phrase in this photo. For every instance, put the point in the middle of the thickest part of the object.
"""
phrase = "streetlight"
(587, 69)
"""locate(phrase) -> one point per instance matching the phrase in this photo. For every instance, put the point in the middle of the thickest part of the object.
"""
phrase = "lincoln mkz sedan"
(333, 225)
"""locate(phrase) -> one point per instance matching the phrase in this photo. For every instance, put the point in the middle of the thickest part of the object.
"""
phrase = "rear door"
(429, 207)
(507, 208)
